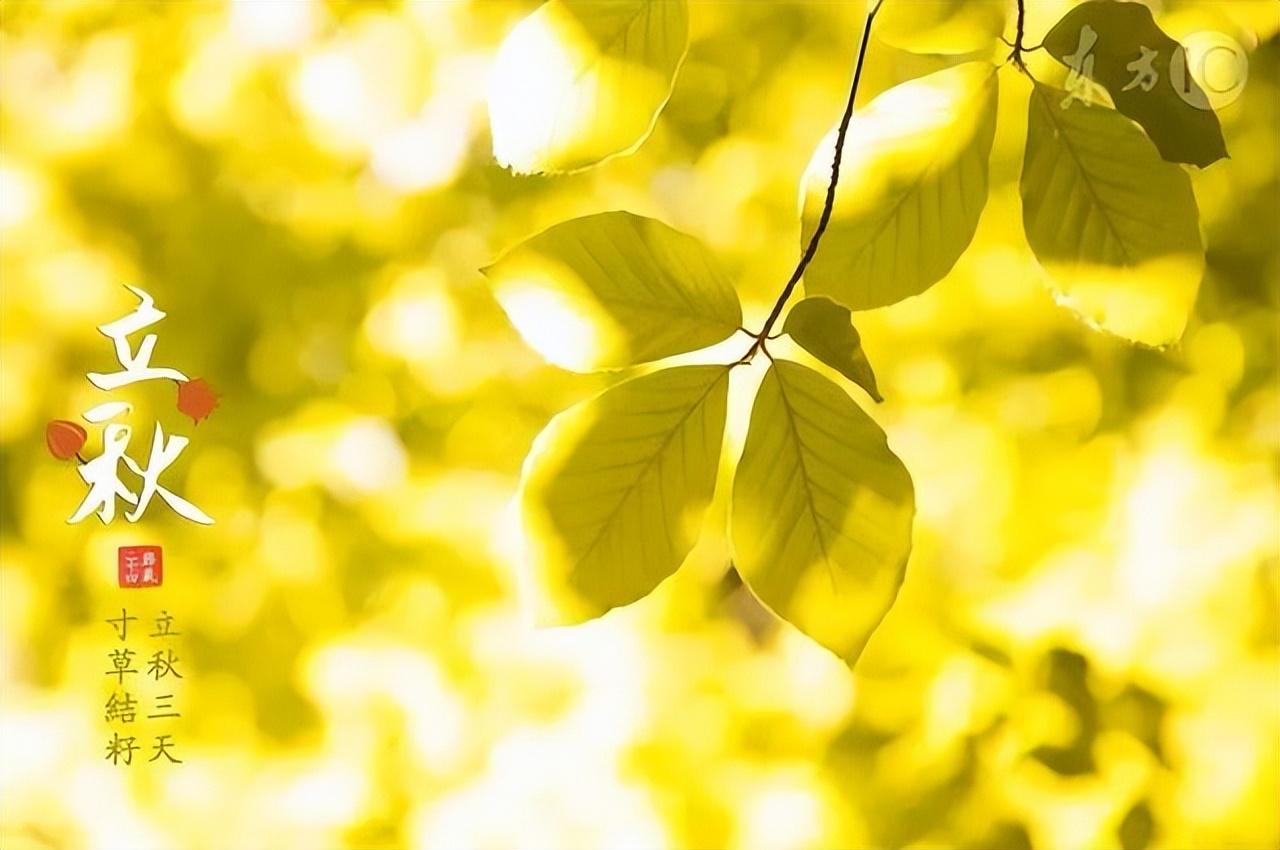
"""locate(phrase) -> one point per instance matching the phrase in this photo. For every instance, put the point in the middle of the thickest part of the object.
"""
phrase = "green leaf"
(825, 329)
(941, 26)
(614, 491)
(822, 510)
(614, 289)
(579, 81)
(1112, 223)
(1182, 124)
(913, 182)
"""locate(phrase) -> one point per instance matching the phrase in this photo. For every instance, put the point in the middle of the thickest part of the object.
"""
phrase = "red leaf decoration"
(196, 399)
(64, 439)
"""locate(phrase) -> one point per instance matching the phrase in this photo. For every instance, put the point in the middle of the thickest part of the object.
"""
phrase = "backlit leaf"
(941, 26)
(913, 183)
(615, 489)
(578, 81)
(825, 329)
(614, 289)
(1117, 38)
(822, 510)
(1114, 225)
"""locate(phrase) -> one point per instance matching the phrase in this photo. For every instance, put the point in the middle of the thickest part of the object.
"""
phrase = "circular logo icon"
(1210, 71)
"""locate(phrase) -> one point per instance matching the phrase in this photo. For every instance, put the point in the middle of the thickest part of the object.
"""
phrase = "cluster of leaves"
(615, 489)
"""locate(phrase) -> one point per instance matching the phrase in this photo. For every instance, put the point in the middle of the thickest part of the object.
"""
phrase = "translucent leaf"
(1112, 223)
(615, 489)
(822, 510)
(579, 81)
(913, 182)
(941, 26)
(614, 289)
(1117, 38)
(825, 329)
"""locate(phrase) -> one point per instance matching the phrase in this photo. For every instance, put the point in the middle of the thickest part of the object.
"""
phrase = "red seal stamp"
(140, 566)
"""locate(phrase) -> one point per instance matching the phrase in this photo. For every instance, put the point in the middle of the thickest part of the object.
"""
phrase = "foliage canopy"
(822, 508)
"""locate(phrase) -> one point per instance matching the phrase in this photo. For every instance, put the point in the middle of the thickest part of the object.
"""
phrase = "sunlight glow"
(368, 456)
(1148, 302)
(540, 57)
(20, 196)
(563, 94)
(274, 25)
(425, 153)
(331, 88)
(926, 119)
(416, 320)
(787, 813)
(552, 321)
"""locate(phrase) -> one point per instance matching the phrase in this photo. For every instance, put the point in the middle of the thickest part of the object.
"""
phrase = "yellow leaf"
(1112, 223)
(579, 81)
(825, 329)
(615, 489)
(1116, 39)
(822, 510)
(614, 289)
(913, 183)
(941, 26)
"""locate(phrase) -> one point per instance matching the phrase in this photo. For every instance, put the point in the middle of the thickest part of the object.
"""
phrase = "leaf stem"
(828, 204)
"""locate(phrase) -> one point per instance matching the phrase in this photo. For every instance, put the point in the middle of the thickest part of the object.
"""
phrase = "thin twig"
(1018, 49)
(828, 204)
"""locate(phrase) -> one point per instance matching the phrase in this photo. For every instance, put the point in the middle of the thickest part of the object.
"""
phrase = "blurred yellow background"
(1084, 652)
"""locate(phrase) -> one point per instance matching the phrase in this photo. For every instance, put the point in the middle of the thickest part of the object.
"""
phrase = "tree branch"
(828, 204)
